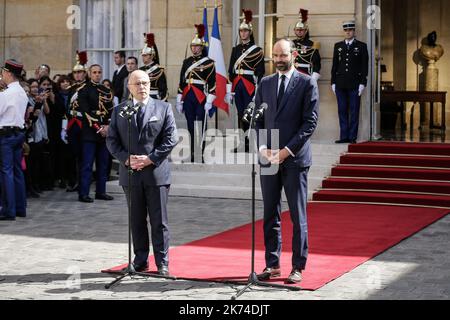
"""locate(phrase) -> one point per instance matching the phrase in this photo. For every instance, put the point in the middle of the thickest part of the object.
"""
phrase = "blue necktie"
(281, 91)
(140, 116)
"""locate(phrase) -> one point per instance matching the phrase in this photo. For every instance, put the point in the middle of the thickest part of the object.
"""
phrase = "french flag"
(216, 54)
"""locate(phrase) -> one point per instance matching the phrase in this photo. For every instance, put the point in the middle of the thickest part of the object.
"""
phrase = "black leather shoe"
(86, 199)
(21, 215)
(103, 196)
(163, 270)
(342, 141)
(295, 276)
(72, 189)
(353, 141)
(7, 218)
(140, 267)
(269, 273)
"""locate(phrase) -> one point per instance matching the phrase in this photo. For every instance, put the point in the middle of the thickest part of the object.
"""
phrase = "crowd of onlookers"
(48, 158)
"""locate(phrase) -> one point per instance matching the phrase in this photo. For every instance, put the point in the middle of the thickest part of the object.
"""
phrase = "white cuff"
(210, 98)
(290, 152)
(263, 147)
(179, 97)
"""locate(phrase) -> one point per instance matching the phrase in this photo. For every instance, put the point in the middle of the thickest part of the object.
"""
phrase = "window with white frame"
(112, 25)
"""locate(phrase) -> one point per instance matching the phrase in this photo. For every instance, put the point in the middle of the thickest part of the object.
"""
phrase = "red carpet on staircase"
(379, 194)
(391, 173)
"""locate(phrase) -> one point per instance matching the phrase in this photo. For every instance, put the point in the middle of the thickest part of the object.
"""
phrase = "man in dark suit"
(348, 80)
(120, 74)
(292, 112)
(154, 135)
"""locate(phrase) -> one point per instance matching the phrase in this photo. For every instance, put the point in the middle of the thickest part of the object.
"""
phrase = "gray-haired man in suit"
(153, 136)
(293, 106)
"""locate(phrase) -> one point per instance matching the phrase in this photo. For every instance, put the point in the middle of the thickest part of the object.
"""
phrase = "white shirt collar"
(287, 74)
(145, 102)
(349, 41)
(120, 68)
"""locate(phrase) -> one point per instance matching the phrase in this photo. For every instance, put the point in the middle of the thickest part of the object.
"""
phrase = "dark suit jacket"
(156, 139)
(350, 67)
(117, 82)
(296, 117)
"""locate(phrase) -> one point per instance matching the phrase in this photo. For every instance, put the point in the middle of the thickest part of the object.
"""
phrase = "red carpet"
(390, 173)
(341, 237)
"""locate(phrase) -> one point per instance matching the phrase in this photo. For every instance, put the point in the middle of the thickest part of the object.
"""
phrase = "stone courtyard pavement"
(57, 252)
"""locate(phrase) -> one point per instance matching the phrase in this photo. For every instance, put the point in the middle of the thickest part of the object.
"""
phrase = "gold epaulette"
(316, 45)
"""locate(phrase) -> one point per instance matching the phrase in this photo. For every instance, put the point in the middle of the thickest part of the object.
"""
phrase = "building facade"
(50, 31)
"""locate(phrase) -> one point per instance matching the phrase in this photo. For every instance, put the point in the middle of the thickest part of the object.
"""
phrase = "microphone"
(248, 112)
(260, 111)
(129, 109)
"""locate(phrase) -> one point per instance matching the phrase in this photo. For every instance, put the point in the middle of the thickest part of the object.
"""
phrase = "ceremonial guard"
(158, 81)
(197, 87)
(95, 104)
(308, 58)
(348, 81)
(71, 127)
(245, 70)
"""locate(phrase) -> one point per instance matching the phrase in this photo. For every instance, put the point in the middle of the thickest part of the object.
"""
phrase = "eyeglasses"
(142, 83)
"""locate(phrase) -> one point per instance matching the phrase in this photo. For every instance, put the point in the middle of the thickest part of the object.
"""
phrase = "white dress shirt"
(13, 104)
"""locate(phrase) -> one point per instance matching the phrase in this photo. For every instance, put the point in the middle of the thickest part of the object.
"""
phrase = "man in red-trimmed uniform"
(197, 88)
(245, 70)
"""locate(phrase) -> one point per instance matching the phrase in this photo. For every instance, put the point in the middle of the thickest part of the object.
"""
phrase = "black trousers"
(295, 182)
(149, 201)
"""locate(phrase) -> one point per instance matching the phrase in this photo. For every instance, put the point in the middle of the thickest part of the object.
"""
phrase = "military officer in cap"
(348, 80)
(158, 81)
(197, 87)
(246, 69)
(13, 104)
(308, 58)
(95, 104)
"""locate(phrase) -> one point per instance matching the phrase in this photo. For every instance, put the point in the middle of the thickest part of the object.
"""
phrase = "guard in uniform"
(246, 69)
(308, 58)
(95, 104)
(13, 104)
(348, 80)
(197, 87)
(158, 81)
(71, 128)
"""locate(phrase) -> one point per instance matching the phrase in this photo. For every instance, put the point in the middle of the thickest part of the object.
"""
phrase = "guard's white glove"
(64, 136)
(179, 104)
(228, 98)
(315, 76)
(209, 101)
(361, 89)
(333, 87)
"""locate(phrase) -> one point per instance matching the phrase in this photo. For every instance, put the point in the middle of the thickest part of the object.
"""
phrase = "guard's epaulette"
(81, 87)
(316, 45)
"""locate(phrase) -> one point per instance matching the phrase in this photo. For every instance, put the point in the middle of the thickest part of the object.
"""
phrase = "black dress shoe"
(269, 273)
(86, 199)
(7, 218)
(163, 270)
(21, 215)
(140, 267)
(342, 141)
(103, 196)
(72, 188)
(353, 141)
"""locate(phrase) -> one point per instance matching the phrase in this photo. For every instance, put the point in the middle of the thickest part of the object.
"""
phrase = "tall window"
(111, 25)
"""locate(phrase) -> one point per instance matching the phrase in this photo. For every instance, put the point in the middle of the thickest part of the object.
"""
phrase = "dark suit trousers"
(151, 201)
(348, 109)
(295, 182)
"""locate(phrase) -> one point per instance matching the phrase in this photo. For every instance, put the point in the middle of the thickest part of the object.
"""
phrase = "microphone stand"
(253, 278)
(127, 112)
